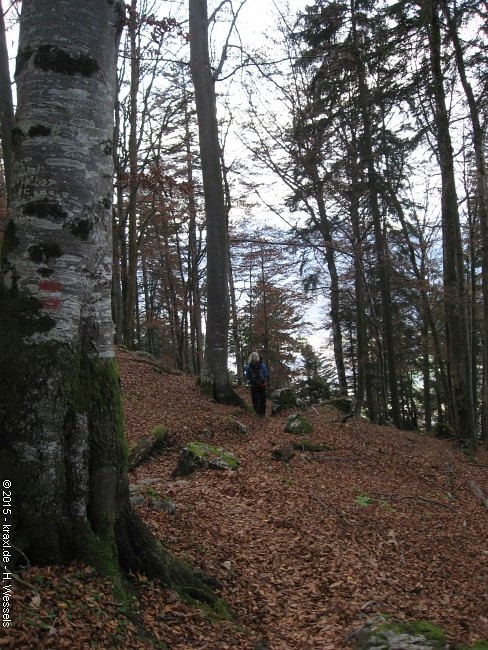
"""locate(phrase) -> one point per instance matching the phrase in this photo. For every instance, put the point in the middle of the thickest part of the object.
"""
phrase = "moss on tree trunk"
(62, 443)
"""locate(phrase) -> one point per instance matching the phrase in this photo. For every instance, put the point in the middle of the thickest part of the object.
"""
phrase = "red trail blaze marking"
(51, 303)
(50, 285)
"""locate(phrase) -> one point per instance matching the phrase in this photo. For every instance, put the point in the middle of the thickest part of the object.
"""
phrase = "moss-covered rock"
(233, 425)
(284, 453)
(298, 425)
(342, 404)
(413, 635)
(158, 440)
(282, 399)
(200, 455)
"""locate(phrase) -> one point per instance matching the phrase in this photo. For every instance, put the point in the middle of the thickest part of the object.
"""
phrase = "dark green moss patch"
(17, 137)
(392, 634)
(81, 228)
(42, 253)
(107, 147)
(45, 272)
(342, 404)
(10, 241)
(426, 629)
(23, 57)
(208, 452)
(307, 445)
(20, 316)
(206, 602)
(45, 209)
(94, 388)
(50, 57)
(39, 130)
(298, 425)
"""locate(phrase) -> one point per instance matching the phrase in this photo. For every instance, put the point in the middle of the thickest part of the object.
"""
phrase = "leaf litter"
(304, 553)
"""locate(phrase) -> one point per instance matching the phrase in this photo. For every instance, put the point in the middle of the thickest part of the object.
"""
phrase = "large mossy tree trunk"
(62, 444)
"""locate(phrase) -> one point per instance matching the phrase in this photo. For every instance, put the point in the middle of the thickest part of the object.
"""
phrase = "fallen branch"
(478, 494)
(334, 511)
(415, 498)
(338, 459)
(438, 485)
(19, 580)
(435, 503)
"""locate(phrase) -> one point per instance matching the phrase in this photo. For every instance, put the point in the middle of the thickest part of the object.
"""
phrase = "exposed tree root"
(140, 551)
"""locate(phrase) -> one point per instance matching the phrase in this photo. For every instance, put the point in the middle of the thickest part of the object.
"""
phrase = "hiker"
(257, 375)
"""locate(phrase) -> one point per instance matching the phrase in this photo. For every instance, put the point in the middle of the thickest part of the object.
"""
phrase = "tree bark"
(131, 297)
(6, 103)
(361, 326)
(461, 401)
(62, 445)
(194, 255)
(481, 196)
(380, 238)
(57, 273)
(325, 231)
(214, 378)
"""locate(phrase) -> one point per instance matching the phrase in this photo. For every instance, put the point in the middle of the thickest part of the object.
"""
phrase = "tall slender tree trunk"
(215, 378)
(235, 326)
(461, 402)
(6, 104)
(232, 292)
(117, 231)
(361, 327)
(481, 197)
(131, 297)
(326, 233)
(149, 308)
(421, 275)
(196, 336)
(380, 237)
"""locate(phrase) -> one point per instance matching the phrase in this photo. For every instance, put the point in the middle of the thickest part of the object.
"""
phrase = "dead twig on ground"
(478, 494)
(395, 497)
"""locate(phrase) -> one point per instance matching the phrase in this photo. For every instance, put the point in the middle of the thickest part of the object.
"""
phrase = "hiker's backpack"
(255, 374)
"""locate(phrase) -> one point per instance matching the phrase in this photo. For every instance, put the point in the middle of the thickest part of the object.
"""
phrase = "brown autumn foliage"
(304, 553)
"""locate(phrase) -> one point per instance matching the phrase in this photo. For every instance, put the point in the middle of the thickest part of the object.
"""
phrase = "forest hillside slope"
(379, 522)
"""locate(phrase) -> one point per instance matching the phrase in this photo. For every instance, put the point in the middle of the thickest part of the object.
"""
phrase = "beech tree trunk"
(61, 417)
(194, 255)
(63, 446)
(131, 297)
(6, 103)
(214, 377)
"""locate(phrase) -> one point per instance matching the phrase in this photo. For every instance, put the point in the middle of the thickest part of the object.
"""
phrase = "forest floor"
(384, 522)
